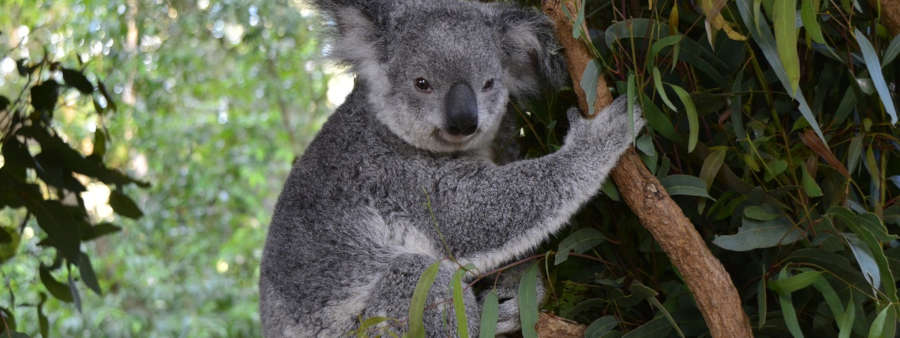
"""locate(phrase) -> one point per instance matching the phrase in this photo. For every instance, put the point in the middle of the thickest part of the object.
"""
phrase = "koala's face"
(446, 84)
(439, 73)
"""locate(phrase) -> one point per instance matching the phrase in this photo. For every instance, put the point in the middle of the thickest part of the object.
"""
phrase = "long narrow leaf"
(808, 12)
(489, 315)
(874, 67)
(693, 120)
(788, 311)
(528, 302)
(420, 296)
(891, 52)
(459, 306)
(784, 20)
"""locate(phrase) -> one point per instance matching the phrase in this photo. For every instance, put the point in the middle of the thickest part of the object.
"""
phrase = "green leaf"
(528, 302)
(580, 242)
(100, 230)
(363, 329)
(784, 20)
(123, 205)
(760, 213)
(874, 247)
(658, 327)
(601, 326)
(459, 306)
(589, 84)
(877, 328)
(787, 285)
(489, 315)
(854, 153)
(693, 120)
(763, 37)
(99, 143)
(659, 121)
(891, 52)
(632, 29)
(657, 83)
(752, 235)
(419, 298)
(4, 102)
(761, 300)
(43, 323)
(77, 80)
(58, 290)
(660, 44)
(685, 185)
(874, 67)
(712, 164)
(87, 273)
(845, 320)
(630, 104)
(788, 311)
(808, 12)
(810, 186)
(775, 168)
(44, 96)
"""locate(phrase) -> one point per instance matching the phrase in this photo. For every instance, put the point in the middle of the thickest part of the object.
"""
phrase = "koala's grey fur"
(353, 231)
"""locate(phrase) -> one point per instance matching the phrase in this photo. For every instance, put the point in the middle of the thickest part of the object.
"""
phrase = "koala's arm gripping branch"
(716, 296)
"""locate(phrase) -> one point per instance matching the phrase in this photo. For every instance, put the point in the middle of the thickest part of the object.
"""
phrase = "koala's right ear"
(358, 33)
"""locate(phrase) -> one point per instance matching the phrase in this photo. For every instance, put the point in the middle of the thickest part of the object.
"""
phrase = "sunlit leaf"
(809, 10)
(784, 20)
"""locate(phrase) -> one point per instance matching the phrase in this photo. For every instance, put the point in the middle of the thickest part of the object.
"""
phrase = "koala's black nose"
(462, 110)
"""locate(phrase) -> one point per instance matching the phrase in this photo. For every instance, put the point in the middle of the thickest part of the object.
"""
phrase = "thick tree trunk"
(704, 275)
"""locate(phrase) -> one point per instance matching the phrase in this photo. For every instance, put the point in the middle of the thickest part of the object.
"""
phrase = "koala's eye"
(488, 85)
(423, 86)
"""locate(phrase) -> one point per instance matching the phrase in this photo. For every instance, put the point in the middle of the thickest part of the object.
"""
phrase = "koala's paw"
(611, 129)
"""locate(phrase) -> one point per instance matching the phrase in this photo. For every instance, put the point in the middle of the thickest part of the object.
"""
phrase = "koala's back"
(329, 240)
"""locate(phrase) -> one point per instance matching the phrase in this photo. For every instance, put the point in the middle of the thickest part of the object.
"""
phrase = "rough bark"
(716, 296)
(890, 14)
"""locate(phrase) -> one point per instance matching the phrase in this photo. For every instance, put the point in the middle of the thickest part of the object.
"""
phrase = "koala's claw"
(612, 126)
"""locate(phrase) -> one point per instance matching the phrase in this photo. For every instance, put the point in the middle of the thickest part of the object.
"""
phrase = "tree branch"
(716, 296)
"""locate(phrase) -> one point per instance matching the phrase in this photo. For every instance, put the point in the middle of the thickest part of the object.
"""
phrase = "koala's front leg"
(501, 212)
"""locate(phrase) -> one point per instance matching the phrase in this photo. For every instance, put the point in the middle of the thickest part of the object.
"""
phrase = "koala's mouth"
(456, 140)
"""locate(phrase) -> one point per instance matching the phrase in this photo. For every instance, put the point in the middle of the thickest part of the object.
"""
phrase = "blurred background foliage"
(214, 98)
(771, 121)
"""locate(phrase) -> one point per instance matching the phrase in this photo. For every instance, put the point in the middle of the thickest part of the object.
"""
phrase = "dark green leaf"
(77, 80)
(58, 290)
(658, 327)
(601, 327)
(4, 102)
(579, 241)
(99, 143)
(99, 230)
(891, 52)
(87, 273)
(44, 96)
(123, 205)
(43, 323)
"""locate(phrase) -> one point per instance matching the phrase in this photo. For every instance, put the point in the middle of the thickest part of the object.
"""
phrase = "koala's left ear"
(532, 54)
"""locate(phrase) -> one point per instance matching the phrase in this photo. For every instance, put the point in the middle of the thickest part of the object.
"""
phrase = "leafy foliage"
(781, 151)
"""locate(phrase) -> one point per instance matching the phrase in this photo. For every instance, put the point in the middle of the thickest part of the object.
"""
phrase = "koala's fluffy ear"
(356, 37)
(532, 54)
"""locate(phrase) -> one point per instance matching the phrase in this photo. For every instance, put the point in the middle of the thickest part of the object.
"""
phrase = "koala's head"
(439, 74)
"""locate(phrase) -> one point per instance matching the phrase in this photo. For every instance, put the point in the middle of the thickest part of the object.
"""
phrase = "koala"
(415, 167)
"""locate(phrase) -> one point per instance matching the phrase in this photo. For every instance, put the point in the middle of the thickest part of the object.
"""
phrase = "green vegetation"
(777, 139)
